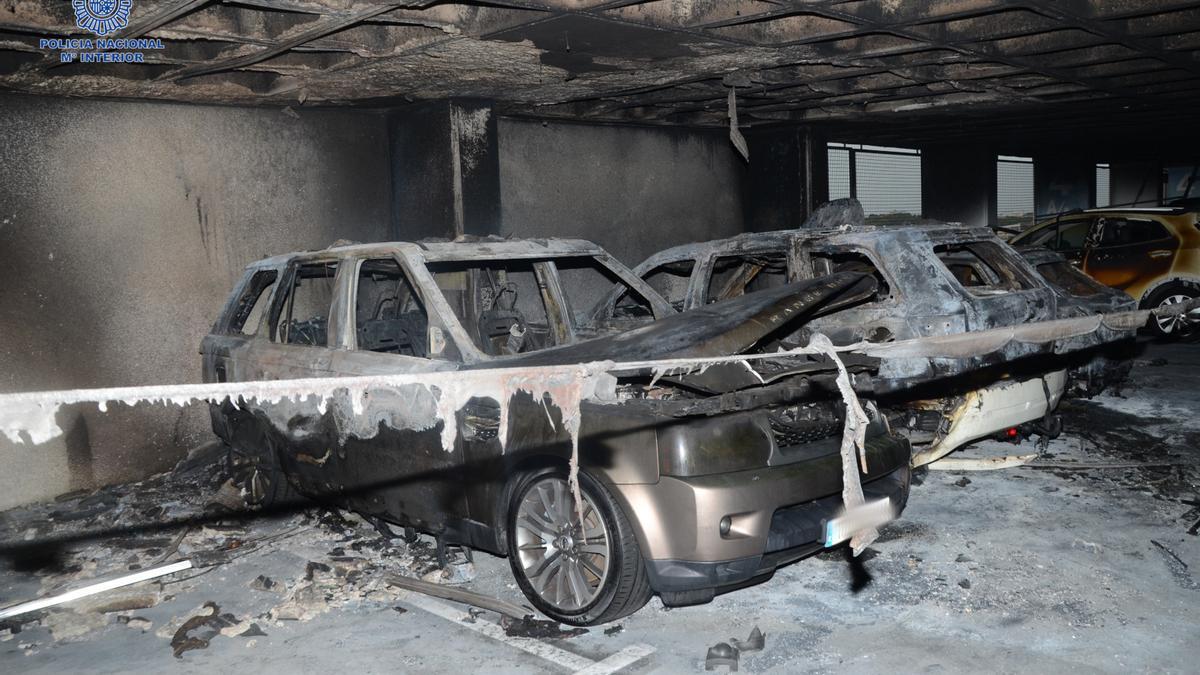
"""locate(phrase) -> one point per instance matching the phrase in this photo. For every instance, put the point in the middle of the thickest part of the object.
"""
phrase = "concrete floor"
(1020, 570)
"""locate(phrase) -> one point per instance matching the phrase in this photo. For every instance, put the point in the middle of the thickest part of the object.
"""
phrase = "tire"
(565, 582)
(260, 478)
(1167, 294)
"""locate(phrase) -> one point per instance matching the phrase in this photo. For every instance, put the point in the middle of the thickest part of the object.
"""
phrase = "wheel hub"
(562, 554)
(1169, 324)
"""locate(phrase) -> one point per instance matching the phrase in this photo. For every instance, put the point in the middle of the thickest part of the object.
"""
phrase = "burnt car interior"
(671, 281)
(388, 314)
(832, 261)
(303, 312)
(978, 268)
(521, 306)
(736, 275)
(599, 336)
(505, 303)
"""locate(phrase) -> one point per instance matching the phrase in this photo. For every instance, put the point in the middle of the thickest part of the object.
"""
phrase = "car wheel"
(577, 570)
(260, 479)
(1171, 294)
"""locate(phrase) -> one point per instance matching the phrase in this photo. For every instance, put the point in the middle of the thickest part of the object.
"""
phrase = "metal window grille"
(886, 180)
(1014, 190)
(1103, 185)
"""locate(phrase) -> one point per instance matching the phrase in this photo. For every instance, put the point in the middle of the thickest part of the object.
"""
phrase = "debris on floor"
(1123, 475)
(1178, 568)
(170, 522)
(69, 625)
(196, 632)
(956, 463)
(754, 643)
(464, 596)
(721, 654)
(107, 603)
(529, 627)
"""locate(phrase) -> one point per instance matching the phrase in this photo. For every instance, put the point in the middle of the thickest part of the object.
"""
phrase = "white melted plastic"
(418, 401)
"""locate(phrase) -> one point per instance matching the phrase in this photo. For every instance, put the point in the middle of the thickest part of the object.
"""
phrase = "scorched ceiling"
(657, 61)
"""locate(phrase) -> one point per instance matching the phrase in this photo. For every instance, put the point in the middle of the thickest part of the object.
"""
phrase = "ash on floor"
(1037, 569)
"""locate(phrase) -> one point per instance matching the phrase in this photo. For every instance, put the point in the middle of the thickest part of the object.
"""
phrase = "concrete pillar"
(785, 178)
(1062, 183)
(445, 170)
(958, 184)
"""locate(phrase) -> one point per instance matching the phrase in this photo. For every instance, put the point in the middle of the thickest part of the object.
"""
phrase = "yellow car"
(1153, 254)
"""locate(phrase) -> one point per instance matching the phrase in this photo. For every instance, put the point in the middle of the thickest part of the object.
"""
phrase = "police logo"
(102, 16)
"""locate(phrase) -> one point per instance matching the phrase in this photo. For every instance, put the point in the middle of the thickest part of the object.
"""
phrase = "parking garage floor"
(1054, 568)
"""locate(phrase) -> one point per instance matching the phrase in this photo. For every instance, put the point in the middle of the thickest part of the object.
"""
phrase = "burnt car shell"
(919, 294)
(677, 458)
(1078, 294)
(1093, 370)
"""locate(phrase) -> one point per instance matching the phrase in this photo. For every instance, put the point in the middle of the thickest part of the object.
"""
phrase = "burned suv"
(690, 482)
(1079, 295)
(932, 279)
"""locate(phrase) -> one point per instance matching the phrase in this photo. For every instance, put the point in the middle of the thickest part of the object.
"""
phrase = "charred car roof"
(442, 251)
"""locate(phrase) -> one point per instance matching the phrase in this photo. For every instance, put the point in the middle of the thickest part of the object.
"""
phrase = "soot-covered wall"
(633, 190)
(123, 226)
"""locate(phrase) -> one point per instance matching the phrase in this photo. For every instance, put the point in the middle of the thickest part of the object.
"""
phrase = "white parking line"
(612, 664)
(561, 657)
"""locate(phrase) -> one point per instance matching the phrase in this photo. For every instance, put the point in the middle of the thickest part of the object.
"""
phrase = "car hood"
(720, 329)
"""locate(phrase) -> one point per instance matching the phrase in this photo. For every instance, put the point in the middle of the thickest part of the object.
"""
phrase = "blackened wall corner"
(1062, 182)
(422, 174)
(958, 183)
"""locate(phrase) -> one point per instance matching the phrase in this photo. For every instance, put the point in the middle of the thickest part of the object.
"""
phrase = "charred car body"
(689, 484)
(933, 279)
(1092, 371)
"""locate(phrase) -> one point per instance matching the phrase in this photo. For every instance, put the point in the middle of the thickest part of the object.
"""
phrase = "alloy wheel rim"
(564, 557)
(1168, 324)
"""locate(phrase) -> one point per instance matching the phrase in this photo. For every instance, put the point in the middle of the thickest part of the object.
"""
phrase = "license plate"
(866, 516)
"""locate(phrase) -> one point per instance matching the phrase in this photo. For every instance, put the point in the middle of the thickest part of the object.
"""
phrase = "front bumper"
(775, 516)
(795, 532)
(983, 412)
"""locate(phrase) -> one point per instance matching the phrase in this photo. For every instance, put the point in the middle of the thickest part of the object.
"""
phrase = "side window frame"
(1162, 229)
(224, 323)
(354, 267)
(442, 315)
(894, 296)
(687, 288)
(635, 282)
(1086, 223)
(713, 258)
(334, 327)
(555, 300)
